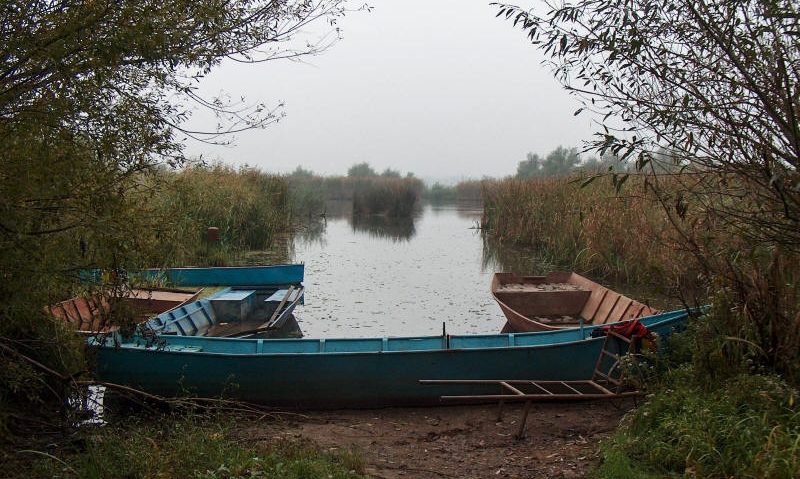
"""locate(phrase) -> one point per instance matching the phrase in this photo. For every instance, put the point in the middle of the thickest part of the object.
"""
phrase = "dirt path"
(460, 441)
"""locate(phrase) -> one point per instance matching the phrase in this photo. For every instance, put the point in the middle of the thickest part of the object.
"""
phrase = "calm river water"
(375, 278)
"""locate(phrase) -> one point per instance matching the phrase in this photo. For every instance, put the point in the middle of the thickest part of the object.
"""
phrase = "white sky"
(441, 88)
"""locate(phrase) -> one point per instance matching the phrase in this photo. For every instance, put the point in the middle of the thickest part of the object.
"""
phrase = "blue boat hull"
(352, 372)
(240, 276)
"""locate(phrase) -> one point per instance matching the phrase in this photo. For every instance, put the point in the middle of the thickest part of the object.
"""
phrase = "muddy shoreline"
(562, 439)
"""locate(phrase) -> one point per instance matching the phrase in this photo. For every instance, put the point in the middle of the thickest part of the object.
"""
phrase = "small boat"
(234, 276)
(362, 372)
(235, 312)
(560, 300)
(89, 314)
(253, 300)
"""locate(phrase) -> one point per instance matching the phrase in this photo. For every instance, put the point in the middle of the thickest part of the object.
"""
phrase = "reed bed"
(724, 399)
(250, 208)
(394, 197)
(468, 191)
(589, 228)
(398, 197)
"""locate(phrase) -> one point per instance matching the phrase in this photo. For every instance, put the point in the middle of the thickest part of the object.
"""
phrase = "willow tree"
(713, 89)
(93, 97)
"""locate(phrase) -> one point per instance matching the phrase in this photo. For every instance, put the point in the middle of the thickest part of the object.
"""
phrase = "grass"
(724, 402)
(250, 208)
(591, 229)
(179, 447)
(745, 426)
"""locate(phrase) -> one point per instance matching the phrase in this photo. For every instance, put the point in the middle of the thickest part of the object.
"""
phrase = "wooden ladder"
(607, 382)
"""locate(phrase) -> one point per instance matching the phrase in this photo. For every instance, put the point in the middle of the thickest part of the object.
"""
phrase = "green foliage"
(361, 170)
(686, 92)
(746, 426)
(559, 162)
(390, 173)
(26, 387)
(301, 172)
(249, 207)
(465, 191)
(385, 195)
(92, 99)
(713, 410)
(186, 447)
(438, 193)
(589, 228)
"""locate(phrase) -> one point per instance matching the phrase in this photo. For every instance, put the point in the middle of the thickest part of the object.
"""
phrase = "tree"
(361, 170)
(559, 162)
(529, 168)
(390, 173)
(716, 83)
(301, 172)
(93, 96)
(717, 86)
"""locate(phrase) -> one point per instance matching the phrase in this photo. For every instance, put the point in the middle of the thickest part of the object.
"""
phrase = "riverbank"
(562, 439)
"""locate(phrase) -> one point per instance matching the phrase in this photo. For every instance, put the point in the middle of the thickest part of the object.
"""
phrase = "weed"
(183, 446)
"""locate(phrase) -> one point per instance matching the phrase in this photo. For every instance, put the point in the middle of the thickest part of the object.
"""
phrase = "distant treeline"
(468, 190)
(388, 193)
(568, 161)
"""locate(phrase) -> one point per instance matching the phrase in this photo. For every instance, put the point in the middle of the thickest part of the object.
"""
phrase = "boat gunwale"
(671, 317)
(215, 268)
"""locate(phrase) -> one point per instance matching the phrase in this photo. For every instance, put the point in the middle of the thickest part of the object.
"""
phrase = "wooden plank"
(511, 388)
(600, 388)
(278, 309)
(538, 384)
(609, 378)
(611, 355)
(570, 387)
(593, 304)
(542, 397)
(621, 308)
(620, 337)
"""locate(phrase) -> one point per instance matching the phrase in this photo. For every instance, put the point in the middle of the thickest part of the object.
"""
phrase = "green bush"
(737, 423)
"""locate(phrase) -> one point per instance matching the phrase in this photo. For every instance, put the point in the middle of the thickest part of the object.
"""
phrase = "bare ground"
(458, 441)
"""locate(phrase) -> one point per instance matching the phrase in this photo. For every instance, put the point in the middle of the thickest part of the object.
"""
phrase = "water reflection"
(312, 231)
(499, 256)
(378, 226)
(379, 277)
(338, 209)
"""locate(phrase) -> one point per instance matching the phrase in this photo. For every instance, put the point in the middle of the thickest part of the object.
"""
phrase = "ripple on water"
(359, 283)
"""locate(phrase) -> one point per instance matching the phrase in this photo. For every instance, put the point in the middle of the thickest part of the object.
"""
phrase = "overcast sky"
(440, 88)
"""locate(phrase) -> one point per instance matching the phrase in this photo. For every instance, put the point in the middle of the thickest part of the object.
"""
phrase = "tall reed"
(591, 228)
(369, 195)
(395, 197)
(250, 208)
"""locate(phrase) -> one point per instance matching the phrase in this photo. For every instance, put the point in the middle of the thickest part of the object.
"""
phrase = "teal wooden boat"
(265, 311)
(255, 300)
(333, 373)
(238, 276)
